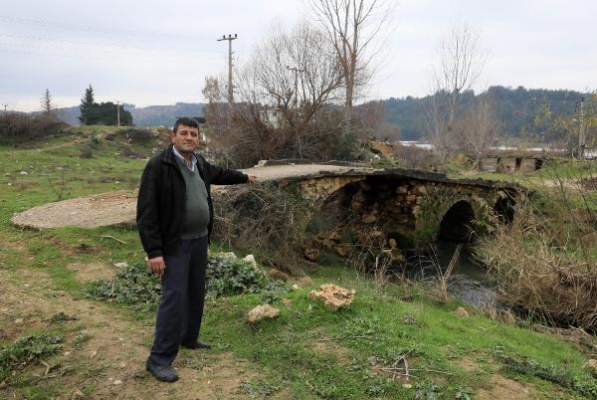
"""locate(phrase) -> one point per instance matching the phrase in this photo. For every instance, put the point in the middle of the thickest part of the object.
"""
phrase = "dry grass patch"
(93, 271)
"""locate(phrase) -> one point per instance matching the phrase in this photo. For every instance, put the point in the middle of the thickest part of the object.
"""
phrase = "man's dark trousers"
(183, 296)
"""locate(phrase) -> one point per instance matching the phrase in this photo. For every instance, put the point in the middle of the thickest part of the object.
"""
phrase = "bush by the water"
(549, 268)
(138, 286)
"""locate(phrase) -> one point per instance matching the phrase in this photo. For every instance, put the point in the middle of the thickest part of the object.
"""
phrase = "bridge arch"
(409, 208)
(457, 223)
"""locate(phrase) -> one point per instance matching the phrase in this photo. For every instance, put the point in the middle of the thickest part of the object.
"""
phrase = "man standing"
(175, 219)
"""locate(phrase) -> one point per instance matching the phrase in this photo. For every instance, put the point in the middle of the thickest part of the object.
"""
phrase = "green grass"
(308, 352)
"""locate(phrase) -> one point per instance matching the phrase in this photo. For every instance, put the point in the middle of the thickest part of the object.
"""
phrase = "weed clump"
(229, 276)
(549, 269)
(26, 350)
(136, 285)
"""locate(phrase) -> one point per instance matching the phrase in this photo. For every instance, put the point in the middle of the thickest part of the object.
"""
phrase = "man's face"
(186, 139)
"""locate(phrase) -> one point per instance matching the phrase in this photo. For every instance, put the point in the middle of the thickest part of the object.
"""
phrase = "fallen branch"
(112, 237)
(416, 369)
(48, 367)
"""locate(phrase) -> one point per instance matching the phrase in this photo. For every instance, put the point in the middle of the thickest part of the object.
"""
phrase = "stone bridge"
(412, 208)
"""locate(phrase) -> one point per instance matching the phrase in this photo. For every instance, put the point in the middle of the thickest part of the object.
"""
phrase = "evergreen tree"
(86, 106)
(46, 103)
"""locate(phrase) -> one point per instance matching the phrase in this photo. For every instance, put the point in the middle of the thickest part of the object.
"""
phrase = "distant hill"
(144, 116)
(521, 111)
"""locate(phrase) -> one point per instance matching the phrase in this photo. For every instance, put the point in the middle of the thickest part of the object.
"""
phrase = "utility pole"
(230, 38)
(4, 105)
(581, 134)
(118, 112)
(296, 72)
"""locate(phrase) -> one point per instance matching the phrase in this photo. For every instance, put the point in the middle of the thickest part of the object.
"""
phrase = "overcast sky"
(157, 52)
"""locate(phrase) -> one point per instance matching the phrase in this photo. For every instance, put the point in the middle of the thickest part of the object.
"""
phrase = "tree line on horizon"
(522, 113)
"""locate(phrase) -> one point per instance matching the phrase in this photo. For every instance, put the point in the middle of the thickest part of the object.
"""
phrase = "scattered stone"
(461, 312)
(77, 394)
(121, 265)
(251, 259)
(110, 136)
(24, 173)
(508, 317)
(334, 236)
(287, 302)
(19, 321)
(333, 297)
(262, 312)
(343, 250)
(304, 281)
(117, 382)
(311, 254)
(93, 354)
(369, 219)
(592, 365)
(277, 274)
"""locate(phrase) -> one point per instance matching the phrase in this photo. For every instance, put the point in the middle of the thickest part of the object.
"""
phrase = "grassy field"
(394, 341)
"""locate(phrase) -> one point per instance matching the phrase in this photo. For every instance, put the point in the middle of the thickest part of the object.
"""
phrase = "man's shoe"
(197, 345)
(164, 373)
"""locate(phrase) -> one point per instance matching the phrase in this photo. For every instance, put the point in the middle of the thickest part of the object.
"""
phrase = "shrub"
(228, 276)
(544, 262)
(136, 285)
(16, 128)
(138, 135)
(263, 219)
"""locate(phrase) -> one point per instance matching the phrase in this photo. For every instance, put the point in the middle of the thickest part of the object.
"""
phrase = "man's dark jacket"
(162, 199)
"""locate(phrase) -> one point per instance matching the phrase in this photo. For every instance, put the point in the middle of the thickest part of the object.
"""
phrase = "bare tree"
(352, 26)
(477, 128)
(279, 90)
(371, 116)
(461, 60)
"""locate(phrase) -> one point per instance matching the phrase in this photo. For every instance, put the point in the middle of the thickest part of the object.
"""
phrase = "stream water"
(468, 280)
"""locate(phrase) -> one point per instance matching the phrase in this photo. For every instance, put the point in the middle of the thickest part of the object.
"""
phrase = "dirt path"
(105, 351)
(119, 207)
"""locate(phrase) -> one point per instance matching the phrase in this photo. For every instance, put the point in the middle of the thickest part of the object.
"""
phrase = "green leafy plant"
(138, 286)
(227, 276)
(134, 284)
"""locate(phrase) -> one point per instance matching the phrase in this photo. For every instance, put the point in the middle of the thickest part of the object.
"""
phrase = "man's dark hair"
(186, 121)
